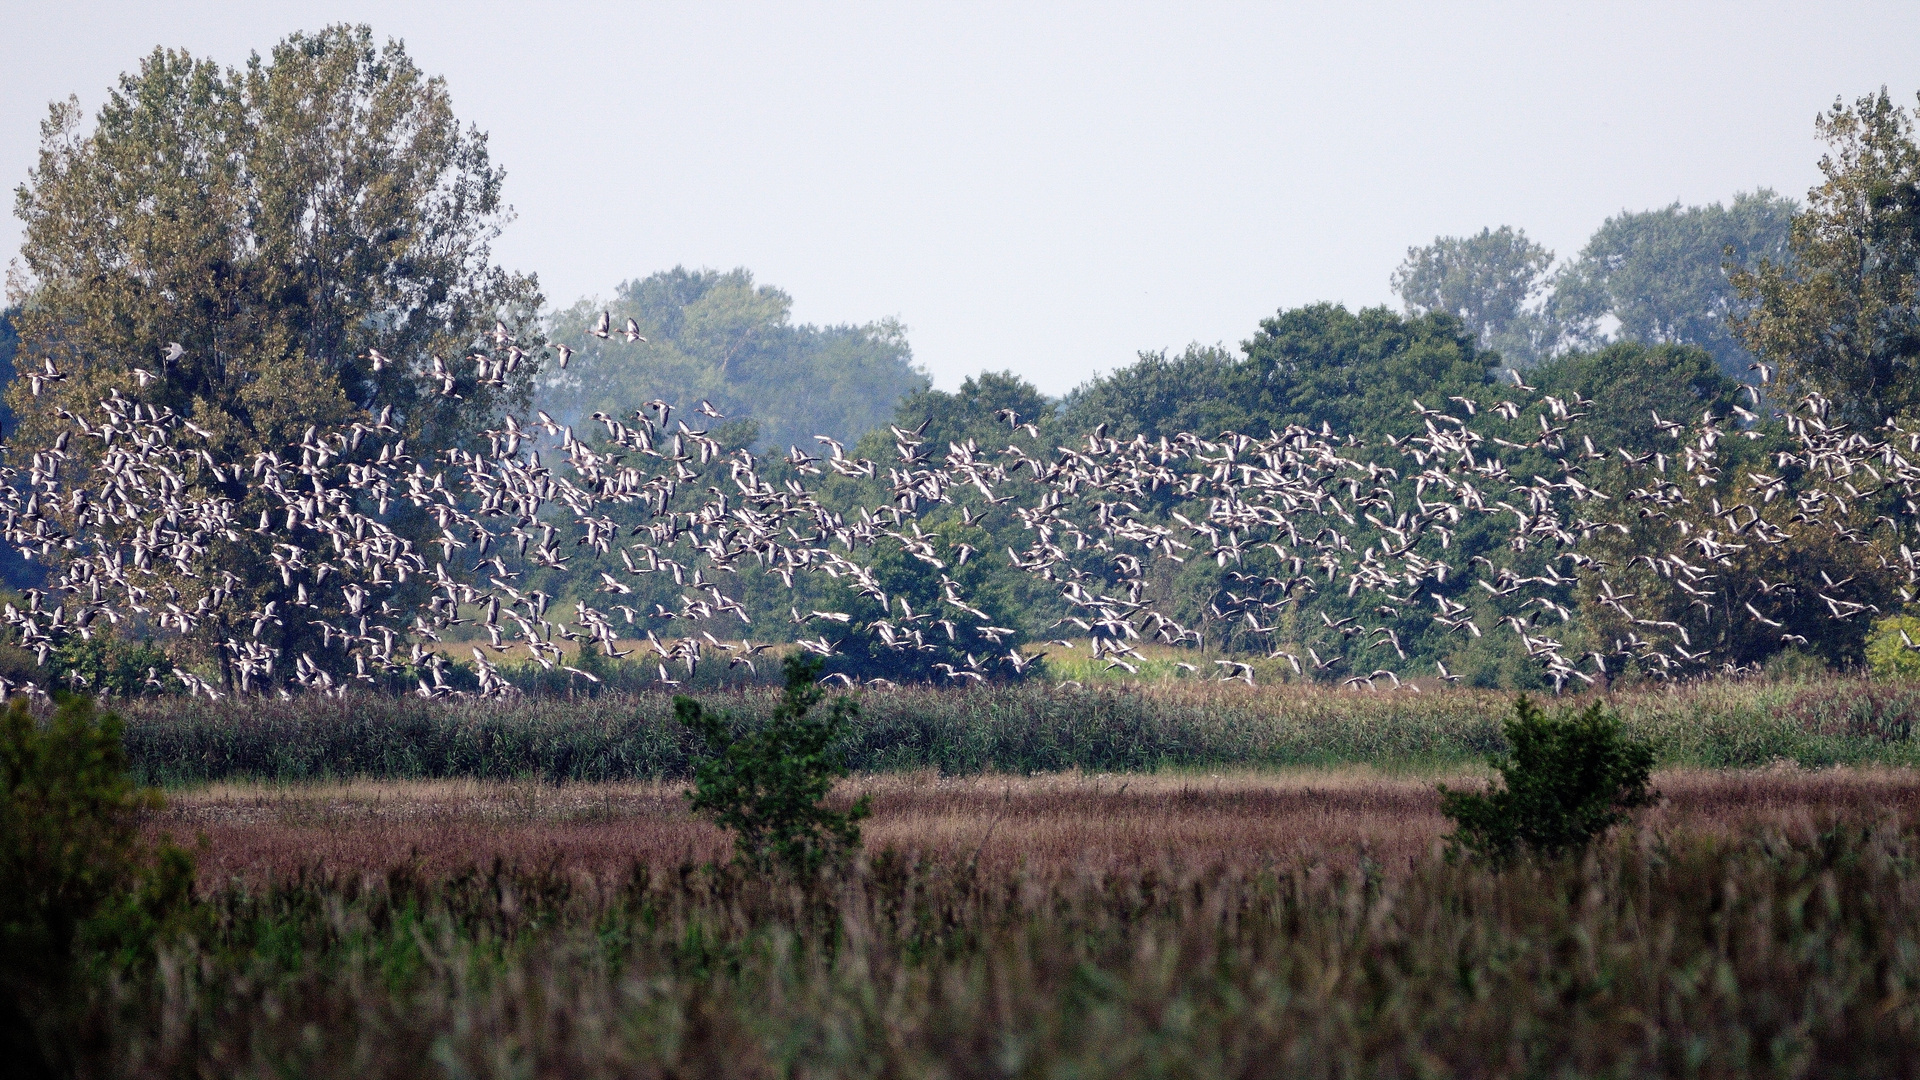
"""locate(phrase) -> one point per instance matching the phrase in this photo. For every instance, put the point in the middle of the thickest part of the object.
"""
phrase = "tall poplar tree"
(282, 224)
(1843, 316)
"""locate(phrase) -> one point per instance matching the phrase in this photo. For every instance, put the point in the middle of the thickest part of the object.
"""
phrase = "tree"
(1357, 372)
(769, 787)
(1314, 365)
(1842, 316)
(1666, 276)
(284, 224)
(722, 338)
(1492, 282)
(1159, 395)
(971, 424)
(1565, 782)
(9, 344)
(15, 572)
(1628, 382)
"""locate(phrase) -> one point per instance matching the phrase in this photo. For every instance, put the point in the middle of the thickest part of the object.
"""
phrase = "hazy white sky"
(1052, 187)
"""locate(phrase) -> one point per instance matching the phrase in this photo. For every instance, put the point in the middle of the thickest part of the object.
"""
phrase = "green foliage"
(1629, 381)
(1493, 283)
(1160, 395)
(75, 877)
(768, 787)
(972, 421)
(722, 338)
(1890, 650)
(1666, 276)
(1842, 316)
(1565, 781)
(106, 664)
(9, 345)
(280, 222)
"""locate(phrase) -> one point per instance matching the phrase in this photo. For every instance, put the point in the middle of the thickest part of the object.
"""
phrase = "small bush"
(75, 878)
(768, 786)
(1564, 782)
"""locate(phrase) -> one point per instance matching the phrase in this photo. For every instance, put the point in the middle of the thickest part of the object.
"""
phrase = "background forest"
(1639, 322)
(1667, 312)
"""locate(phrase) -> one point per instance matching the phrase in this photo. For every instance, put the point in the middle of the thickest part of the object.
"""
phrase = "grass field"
(998, 728)
(1298, 922)
(260, 834)
(1172, 878)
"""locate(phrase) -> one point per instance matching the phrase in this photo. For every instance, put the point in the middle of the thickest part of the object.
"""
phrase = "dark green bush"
(1563, 782)
(768, 786)
(76, 879)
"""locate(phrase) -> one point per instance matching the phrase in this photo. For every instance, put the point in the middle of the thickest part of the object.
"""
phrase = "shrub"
(768, 786)
(75, 877)
(1563, 782)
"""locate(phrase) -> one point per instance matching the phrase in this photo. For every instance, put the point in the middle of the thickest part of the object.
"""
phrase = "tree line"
(305, 242)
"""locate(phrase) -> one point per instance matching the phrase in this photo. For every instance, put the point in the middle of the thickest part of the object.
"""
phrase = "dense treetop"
(299, 245)
(1494, 282)
(1842, 314)
(1322, 364)
(1663, 276)
(280, 222)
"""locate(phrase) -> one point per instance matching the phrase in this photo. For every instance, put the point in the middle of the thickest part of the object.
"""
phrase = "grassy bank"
(1755, 924)
(1014, 729)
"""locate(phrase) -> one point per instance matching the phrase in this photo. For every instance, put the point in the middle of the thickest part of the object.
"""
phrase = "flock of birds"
(142, 519)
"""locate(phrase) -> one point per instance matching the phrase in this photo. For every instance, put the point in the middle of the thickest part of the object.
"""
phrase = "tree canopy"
(1666, 276)
(265, 252)
(1842, 315)
(1495, 283)
(1320, 364)
(720, 337)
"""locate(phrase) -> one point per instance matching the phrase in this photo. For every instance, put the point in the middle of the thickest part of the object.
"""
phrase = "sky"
(1053, 188)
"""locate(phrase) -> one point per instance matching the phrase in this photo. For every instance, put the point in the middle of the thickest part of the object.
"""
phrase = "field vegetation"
(1300, 923)
(1113, 859)
(1015, 728)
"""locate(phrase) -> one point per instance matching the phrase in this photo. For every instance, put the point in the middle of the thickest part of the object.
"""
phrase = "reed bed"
(1024, 728)
(1305, 923)
(261, 834)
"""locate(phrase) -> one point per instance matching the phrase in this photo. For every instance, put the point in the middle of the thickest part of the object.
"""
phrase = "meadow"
(1017, 728)
(1138, 879)
(1295, 923)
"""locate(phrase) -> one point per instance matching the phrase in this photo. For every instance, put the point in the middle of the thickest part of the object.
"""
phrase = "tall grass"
(1017, 728)
(1775, 952)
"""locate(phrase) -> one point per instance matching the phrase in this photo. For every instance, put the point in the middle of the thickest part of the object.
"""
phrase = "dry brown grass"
(1068, 821)
(1297, 923)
